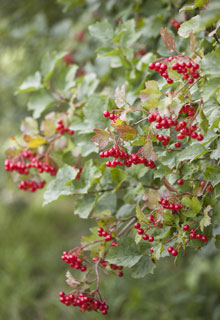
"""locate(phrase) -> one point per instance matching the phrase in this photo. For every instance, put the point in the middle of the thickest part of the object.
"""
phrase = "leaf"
(187, 8)
(39, 102)
(119, 176)
(216, 153)
(125, 132)
(32, 83)
(29, 126)
(101, 138)
(200, 3)
(71, 281)
(151, 94)
(145, 266)
(206, 220)
(140, 215)
(35, 142)
(49, 62)
(126, 254)
(125, 211)
(210, 88)
(192, 152)
(212, 174)
(217, 241)
(120, 96)
(192, 42)
(102, 31)
(151, 199)
(148, 151)
(125, 34)
(193, 25)
(193, 204)
(211, 64)
(58, 186)
(84, 205)
(168, 39)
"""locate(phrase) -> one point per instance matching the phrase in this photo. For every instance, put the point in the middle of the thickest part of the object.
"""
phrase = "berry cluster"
(62, 129)
(86, 301)
(31, 185)
(188, 68)
(193, 234)
(22, 163)
(128, 160)
(174, 252)
(109, 115)
(140, 231)
(169, 205)
(184, 128)
(103, 233)
(175, 23)
(73, 260)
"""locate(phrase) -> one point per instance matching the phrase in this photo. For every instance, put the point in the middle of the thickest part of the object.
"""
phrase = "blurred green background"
(32, 238)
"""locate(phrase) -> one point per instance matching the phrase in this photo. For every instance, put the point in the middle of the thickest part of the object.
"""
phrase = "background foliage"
(33, 237)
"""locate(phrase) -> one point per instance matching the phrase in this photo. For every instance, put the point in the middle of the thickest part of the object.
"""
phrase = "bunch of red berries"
(193, 234)
(133, 158)
(109, 115)
(175, 23)
(140, 231)
(74, 260)
(103, 233)
(23, 167)
(169, 205)
(31, 185)
(62, 129)
(188, 109)
(188, 68)
(173, 251)
(85, 301)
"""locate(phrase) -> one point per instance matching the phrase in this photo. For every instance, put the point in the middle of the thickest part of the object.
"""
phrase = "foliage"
(116, 102)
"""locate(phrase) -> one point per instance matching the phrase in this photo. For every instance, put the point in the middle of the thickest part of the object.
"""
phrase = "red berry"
(186, 227)
(137, 225)
(106, 114)
(140, 231)
(145, 237)
(151, 239)
(170, 249)
(174, 253)
(108, 237)
(199, 137)
(204, 238)
(120, 274)
(198, 236)
(180, 182)
(177, 144)
(151, 66)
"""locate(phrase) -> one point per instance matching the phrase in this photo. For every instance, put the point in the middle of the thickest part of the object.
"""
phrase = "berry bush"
(132, 136)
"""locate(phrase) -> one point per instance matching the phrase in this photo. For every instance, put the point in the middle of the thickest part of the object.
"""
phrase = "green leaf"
(39, 102)
(32, 83)
(206, 220)
(193, 204)
(212, 174)
(200, 3)
(125, 211)
(120, 96)
(102, 31)
(140, 215)
(151, 94)
(49, 63)
(211, 64)
(217, 241)
(126, 254)
(210, 88)
(85, 205)
(125, 34)
(119, 176)
(193, 25)
(145, 266)
(58, 186)
(29, 126)
(216, 153)
(192, 152)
